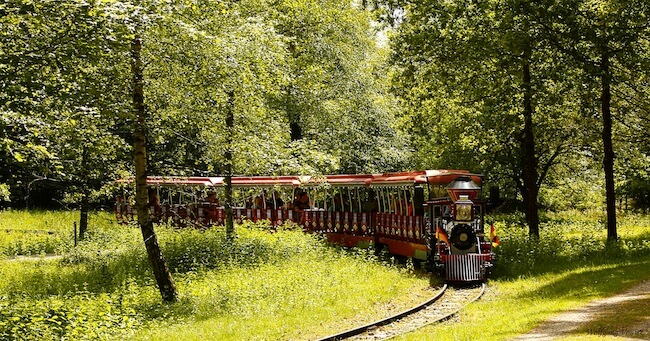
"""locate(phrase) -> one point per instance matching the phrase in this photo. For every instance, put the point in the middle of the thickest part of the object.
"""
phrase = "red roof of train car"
(386, 179)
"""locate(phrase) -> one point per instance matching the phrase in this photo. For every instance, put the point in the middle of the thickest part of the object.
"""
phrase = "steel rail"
(359, 330)
(442, 318)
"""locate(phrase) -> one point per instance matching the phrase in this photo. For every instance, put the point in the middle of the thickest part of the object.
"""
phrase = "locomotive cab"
(460, 250)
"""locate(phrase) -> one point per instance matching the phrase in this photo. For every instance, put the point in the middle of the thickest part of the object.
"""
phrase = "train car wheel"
(401, 260)
(380, 250)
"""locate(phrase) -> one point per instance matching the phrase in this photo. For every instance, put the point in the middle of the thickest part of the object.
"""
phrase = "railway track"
(443, 306)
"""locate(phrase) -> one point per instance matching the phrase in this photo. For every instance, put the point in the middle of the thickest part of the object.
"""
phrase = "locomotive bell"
(462, 192)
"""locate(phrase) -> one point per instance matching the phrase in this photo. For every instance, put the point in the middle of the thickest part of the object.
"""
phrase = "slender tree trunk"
(83, 217)
(531, 188)
(230, 122)
(608, 157)
(161, 273)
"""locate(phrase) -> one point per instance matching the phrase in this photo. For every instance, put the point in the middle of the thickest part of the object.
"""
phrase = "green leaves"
(59, 74)
(303, 65)
(311, 93)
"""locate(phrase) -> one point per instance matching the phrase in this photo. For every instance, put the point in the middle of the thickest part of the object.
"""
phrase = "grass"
(275, 302)
(262, 285)
(287, 285)
(34, 233)
(570, 266)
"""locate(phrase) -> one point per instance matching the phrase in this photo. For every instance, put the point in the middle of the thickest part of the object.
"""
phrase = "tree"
(606, 39)
(163, 276)
(59, 80)
(221, 49)
(39, 40)
(336, 101)
(479, 87)
(230, 124)
(262, 51)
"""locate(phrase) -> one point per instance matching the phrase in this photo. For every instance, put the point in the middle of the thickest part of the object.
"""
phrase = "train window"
(437, 191)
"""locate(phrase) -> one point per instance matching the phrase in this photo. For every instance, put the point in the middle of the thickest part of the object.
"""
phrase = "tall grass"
(35, 232)
(103, 289)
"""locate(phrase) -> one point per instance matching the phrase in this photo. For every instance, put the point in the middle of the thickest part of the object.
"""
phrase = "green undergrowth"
(281, 285)
(24, 233)
(567, 239)
(262, 284)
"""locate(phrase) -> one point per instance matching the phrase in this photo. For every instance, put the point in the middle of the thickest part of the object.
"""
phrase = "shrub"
(78, 315)
(567, 242)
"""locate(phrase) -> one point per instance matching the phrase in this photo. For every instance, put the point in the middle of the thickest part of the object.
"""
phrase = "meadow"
(285, 284)
(263, 285)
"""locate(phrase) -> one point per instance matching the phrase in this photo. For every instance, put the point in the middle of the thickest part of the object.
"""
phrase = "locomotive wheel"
(380, 250)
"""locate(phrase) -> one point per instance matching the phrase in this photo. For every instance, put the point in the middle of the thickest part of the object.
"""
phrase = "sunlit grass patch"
(304, 298)
(303, 290)
(37, 220)
(515, 306)
(259, 285)
(35, 232)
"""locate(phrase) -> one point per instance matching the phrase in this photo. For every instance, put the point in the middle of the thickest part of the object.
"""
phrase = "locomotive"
(434, 217)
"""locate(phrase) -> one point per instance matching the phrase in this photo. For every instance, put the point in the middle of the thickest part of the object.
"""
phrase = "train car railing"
(350, 223)
(206, 214)
(400, 227)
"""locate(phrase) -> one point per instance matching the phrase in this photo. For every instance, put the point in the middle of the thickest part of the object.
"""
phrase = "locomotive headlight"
(463, 212)
(462, 192)
(463, 209)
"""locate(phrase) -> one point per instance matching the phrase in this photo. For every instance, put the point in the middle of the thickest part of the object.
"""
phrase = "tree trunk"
(83, 218)
(531, 188)
(230, 122)
(161, 273)
(608, 157)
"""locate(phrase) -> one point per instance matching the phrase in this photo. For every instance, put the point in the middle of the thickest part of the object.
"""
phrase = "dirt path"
(48, 256)
(570, 321)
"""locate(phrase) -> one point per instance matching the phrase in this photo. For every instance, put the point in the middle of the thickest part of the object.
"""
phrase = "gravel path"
(48, 256)
(569, 321)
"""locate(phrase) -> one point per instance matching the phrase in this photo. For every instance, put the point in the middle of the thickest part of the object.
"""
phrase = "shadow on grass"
(606, 279)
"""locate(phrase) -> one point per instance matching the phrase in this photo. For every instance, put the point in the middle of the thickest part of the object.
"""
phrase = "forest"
(549, 100)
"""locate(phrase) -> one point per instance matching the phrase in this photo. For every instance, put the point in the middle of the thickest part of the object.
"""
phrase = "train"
(434, 217)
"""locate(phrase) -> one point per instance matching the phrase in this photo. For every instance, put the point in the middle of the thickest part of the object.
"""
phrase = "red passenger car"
(431, 216)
